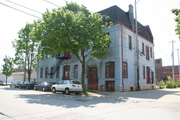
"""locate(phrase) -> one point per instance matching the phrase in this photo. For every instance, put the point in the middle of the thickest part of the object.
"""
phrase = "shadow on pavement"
(69, 101)
(72, 101)
(145, 94)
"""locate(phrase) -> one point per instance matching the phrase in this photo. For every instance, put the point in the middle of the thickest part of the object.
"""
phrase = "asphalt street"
(19, 104)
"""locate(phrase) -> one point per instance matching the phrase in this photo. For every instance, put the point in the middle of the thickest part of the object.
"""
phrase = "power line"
(23, 6)
(20, 10)
(51, 3)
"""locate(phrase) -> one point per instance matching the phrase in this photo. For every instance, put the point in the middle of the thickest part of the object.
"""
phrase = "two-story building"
(118, 69)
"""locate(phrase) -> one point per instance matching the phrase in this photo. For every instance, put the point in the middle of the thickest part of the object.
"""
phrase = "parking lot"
(19, 104)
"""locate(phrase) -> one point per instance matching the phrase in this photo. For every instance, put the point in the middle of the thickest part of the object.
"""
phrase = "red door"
(66, 75)
(93, 79)
(147, 75)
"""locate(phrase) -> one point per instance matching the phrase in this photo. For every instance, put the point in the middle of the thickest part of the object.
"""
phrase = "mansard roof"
(117, 15)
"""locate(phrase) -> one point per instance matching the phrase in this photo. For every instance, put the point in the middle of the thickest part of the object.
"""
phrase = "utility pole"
(137, 48)
(173, 59)
(178, 63)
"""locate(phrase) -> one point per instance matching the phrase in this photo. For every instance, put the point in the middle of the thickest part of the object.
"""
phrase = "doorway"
(93, 79)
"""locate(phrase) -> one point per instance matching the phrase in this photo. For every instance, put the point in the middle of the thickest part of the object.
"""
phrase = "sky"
(155, 13)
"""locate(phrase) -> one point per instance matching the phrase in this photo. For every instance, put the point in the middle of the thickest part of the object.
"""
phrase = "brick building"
(162, 72)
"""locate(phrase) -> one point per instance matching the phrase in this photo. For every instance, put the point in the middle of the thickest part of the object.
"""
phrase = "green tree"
(177, 20)
(73, 28)
(26, 48)
(8, 67)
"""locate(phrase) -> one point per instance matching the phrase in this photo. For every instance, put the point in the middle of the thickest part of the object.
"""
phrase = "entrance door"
(93, 79)
(66, 75)
(152, 77)
(148, 75)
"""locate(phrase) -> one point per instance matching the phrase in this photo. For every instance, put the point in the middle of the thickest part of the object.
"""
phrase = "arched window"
(66, 73)
(125, 70)
(46, 72)
(57, 72)
(75, 71)
(109, 69)
(41, 75)
(51, 72)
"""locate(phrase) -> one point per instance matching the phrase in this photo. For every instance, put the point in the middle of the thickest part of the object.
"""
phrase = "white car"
(1, 82)
(67, 87)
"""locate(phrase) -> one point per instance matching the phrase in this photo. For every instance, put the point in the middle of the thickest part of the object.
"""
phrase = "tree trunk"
(82, 75)
(29, 75)
(6, 79)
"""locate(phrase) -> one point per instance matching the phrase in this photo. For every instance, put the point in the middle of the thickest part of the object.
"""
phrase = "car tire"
(54, 90)
(43, 89)
(67, 92)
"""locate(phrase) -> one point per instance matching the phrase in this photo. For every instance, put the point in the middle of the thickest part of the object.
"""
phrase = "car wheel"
(43, 89)
(67, 91)
(54, 90)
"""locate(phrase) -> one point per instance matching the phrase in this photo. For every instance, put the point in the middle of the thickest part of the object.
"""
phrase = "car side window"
(70, 82)
(65, 82)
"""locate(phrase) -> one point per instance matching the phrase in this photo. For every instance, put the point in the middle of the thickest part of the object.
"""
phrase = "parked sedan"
(44, 86)
(16, 84)
(27, 85)
(1, 82)
(67, 86)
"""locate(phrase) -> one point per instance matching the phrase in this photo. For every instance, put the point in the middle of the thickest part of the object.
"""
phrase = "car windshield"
(49, 83)
(26, 82)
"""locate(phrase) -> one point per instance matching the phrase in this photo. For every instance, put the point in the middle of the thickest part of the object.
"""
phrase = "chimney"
(131, 17)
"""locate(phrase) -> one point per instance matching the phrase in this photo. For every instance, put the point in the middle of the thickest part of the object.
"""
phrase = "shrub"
(161, 84)
(170, 83)
(178, 83)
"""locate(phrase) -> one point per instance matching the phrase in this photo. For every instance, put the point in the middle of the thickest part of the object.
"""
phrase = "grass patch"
(87, 91)
(6, 84)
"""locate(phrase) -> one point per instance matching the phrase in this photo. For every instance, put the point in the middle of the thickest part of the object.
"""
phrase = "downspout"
(122, 54)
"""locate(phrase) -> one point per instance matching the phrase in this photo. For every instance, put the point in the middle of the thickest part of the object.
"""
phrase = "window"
(147, 53)
(130, 42)
(46, 72)
(42, 54)
(51, 72)
(47, 56)
(152, 77)
(167, 69)
(109, 70)
(125, 70)
(75, 71)
(151, 51)
(143, 72)
(41, 75)
(143, 48)
(147, 75)
(57, 72)
(164, 75)
(66, 73)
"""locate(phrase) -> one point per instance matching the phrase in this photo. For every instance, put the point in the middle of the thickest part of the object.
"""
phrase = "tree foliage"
(73, 28)
(177, 20)
(26, 48)
(8, 67)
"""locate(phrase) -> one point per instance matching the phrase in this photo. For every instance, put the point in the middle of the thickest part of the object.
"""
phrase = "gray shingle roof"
(117, 15)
